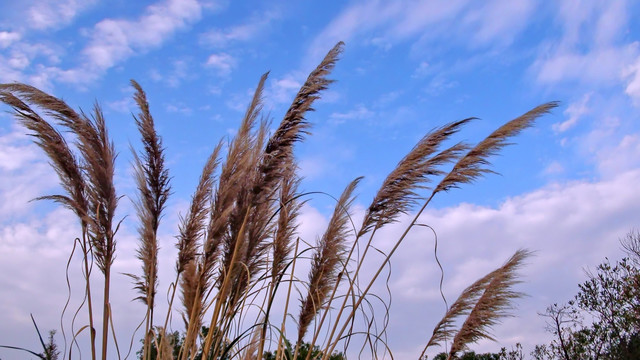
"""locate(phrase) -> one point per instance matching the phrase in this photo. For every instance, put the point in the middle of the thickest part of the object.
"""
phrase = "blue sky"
(567, 190)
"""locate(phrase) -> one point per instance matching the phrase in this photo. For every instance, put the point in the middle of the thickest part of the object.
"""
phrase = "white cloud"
(223, 63)
(124, 105)
(553, 168)
(422, 70)
(7, 38)
(620, 157)
(179, 71)
(22, 62)
(53, 14)
(7, 72)
(499, 20)
(596, 66)
(586, 53)
(282, 91)
(179, 108)
(570, 226)
(15, 150)
(114, 40)
(360, 112)
(240, 33)
(575, 111)
(358, 17)
(24, 171)
(492, 22)
(632, 73)
(314, 167)
(111, 41)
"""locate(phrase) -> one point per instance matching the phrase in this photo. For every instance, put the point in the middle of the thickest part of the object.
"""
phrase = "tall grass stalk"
(239, 254)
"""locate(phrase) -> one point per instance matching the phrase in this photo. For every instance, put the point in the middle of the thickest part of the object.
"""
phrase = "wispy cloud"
(588, 53)
(123, 105)
(553, 168)
(632, 74)
(25, 174)
(178, 72)
(50, 14)
(498, 20)
(7, 38)
(422, 70)
(570, 226)
(24, 61)
(619, 157)
(247, 31)
(491, 22)
(360, 112)
(179, 108)
(222, 63)
(112, 41)
(282, 90)
(575, 111)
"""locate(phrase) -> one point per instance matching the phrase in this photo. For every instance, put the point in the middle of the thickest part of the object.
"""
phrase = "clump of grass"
(237, 244)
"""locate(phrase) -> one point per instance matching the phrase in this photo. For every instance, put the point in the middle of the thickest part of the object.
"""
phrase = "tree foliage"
(603, 320)
(515, 353)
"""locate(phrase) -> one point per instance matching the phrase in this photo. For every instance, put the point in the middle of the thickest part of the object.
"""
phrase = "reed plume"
(399, 190)
(231, 197)
(294, 124)
(51, 105)
(54, 145)
(190, 299)
(152, 179)
(273, 161)
(327, 261)
(192, 226)
(235, 242)
(97, 162)
(475, 164)
(287, 224)
(493, 304)
(462, 306)
(97, 166)
(64, 163)
(226, 217)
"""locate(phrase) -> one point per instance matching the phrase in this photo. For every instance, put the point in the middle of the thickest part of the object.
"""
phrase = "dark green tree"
(303, 352)
(176, 340)
(513, 354)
